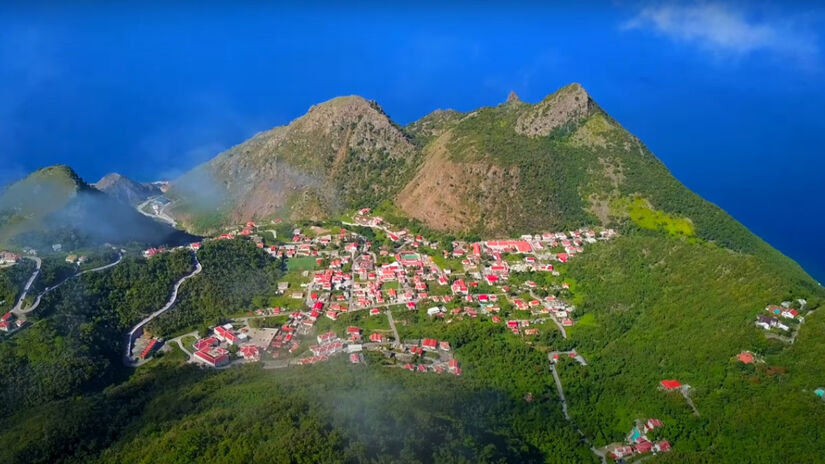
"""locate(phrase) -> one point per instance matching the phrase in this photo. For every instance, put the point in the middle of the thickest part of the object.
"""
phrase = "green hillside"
(54, 205)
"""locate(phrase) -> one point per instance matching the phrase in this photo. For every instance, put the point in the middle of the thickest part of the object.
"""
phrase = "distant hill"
(54, 205)
(125, 189)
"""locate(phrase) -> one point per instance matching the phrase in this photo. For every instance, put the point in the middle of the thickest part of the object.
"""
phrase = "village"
(346, 292)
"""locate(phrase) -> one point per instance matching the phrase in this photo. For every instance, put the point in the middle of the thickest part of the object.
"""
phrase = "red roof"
(670, 384)
(429, 343)
(663, 445)
(643, 446)
(745, 357)
(353, 330)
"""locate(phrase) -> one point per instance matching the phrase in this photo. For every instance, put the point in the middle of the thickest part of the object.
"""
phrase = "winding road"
(160, 213)
(39, 262)
(19, 311)
(137, 330)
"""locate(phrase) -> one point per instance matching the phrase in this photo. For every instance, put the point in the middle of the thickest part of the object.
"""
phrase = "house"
(643, 446)
(429, 344)
(621, 451)
(514, 246)
(354, 358)
(152, 346)
(662, 446)
(224, 333)
(250, 353)
(434, 311)
(7, 257)
(745, 357)
(214, 357)
(670, 384)
(764, 321)
(352, 330)
(652, 424)
(326, 337)
(205, 343)
(376, 337)
(790, 313)
(444, 345)
(452, 366)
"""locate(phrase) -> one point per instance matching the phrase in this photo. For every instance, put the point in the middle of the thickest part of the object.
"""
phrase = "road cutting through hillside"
(137, 330)
(580, 360)
(18, 311)
(22, 297)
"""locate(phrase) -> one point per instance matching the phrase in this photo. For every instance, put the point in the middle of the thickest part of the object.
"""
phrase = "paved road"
(161, 214)
(28, 285)
(685, 389)
(36, 303)
(132, 335)
(558, 324)
(598, 453)
(394, 330)
(577, 357)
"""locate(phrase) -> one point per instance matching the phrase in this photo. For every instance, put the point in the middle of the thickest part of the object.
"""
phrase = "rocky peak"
(512, 97)
(125, 189)
(569, 105)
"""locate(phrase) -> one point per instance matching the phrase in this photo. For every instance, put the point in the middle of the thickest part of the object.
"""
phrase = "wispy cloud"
(731, 30)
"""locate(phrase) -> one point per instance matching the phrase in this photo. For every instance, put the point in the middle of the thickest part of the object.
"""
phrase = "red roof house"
(670, 384)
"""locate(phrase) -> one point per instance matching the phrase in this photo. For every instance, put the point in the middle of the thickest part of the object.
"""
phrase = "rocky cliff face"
(126, 190)
(341, 153)
(566, 107)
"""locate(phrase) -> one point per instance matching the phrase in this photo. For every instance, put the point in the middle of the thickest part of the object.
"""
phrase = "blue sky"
(729, 95)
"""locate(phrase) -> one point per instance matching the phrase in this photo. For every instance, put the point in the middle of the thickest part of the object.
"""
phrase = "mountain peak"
(512, 97)
(125, 189)
(570, 104)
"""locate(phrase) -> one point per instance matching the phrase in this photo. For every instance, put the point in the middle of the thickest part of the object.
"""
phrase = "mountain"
(54, 205)
(503, 170)
(342, 153)
(125, 189)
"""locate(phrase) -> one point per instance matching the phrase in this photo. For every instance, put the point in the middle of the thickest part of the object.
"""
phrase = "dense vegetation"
(75, 341)
(671, 308)
(327, 413)
(12, 280)
(235, 276)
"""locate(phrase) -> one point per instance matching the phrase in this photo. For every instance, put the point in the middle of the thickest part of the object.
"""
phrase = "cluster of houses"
(9, 322)
(214, 350)
(75, 259)
(7, 257)
(637, 441)
(356, 276)
(782, 317)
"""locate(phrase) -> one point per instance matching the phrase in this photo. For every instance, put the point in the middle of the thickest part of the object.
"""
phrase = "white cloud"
(729, 30)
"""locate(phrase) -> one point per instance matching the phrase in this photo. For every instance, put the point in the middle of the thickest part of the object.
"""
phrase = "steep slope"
(342, 153)
(509, 169)
(54, 205)
(125, 189)
(560, 163)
